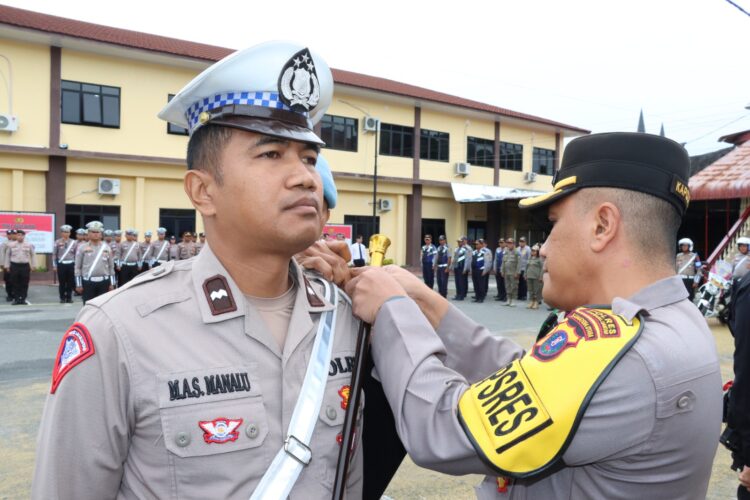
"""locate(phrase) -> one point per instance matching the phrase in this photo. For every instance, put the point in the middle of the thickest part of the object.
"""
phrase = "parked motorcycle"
(713, 296)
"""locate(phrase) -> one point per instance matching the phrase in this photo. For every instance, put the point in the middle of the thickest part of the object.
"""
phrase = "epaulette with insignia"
(521, 418)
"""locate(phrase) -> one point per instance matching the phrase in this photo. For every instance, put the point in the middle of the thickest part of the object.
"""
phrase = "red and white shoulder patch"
(75, 347)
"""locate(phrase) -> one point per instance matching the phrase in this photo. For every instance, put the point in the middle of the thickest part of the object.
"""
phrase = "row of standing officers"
(95, 262)
(518, 270)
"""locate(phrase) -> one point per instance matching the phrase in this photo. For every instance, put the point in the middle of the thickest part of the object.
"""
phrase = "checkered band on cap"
(262, 99)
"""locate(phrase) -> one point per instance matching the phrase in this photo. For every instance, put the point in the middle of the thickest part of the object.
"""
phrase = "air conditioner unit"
(529, 177)
(384, 204)
(371, 124)
(463, 168)
(109, 186)
(8, 123)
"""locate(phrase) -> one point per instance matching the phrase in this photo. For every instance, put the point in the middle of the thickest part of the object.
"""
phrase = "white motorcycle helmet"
(685, 241)
(744, 240)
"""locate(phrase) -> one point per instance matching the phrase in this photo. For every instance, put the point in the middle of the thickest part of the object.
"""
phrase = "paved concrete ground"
(29, 338)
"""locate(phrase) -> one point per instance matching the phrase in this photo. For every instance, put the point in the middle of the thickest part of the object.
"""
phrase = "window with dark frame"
(171, 127)
(511, 156)
(339, 132)
(434, 145)
(396, 140)
(480, 152)
(90, 104)
(362, 224)
(544, 161)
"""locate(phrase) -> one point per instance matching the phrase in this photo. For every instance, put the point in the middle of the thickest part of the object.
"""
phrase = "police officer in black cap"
(620, 400)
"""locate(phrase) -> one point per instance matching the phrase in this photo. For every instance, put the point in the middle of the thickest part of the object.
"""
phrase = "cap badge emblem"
(298, 83)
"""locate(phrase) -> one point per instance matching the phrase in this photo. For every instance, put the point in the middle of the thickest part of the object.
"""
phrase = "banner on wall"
(333, 230)
(39, 228)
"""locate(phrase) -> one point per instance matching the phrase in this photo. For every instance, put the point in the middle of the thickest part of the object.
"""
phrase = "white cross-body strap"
(66, 251)
(288, 463)
(96, 261)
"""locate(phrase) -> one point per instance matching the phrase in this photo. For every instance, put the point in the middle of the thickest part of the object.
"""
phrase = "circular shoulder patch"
(75, 347)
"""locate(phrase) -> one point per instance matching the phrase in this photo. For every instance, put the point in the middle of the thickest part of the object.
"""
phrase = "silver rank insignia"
(298, 83)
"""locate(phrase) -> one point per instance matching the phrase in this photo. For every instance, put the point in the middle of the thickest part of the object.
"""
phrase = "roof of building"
(726, 178)
(144, 41)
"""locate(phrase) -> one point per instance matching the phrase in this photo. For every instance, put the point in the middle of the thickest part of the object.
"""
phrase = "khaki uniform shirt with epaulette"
(126, 422)
(128, 252)
(511, 263)
(681, 263)
(114, 246)
(159, 251)
(534, 268)
(146, 251)
(64, 251)
(19, 253)
(85, 257)
(185, 250)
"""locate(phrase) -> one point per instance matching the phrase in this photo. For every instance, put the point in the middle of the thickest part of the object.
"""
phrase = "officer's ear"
(199, 186)
(607, 221)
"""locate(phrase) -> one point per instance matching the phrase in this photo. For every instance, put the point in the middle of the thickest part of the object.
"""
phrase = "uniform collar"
(220, 299)
(658, 294)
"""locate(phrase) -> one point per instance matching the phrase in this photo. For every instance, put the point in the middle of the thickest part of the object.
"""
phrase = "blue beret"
(329, 187)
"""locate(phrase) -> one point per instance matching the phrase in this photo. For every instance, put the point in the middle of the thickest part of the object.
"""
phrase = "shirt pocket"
(329, 429)
(212, 419)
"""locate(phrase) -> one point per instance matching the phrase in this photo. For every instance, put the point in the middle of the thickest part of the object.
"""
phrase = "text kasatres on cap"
(280, 89)
(636, 161)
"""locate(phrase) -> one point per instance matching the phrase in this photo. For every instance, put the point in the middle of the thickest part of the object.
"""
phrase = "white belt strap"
(288, 463)
(162, 250)
(128, 254)
(96, 261)
(67, 250)
(686, 265)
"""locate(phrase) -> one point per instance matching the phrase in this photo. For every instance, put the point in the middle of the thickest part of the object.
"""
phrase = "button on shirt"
(137, 419)
(650, 430)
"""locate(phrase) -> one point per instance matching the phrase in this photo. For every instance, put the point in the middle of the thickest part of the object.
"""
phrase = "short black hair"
(204, 149)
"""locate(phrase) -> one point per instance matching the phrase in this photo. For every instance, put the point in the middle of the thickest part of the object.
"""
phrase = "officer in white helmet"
(741, 261)
(225, 375)
(688, 265)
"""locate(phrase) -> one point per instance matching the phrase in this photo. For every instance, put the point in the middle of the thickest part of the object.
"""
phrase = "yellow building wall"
(29, 77)
(144, 189)
(143, 93)
(362, 162)
(20, 177)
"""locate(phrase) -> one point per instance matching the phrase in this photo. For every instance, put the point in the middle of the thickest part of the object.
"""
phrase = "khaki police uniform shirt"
(534, 268)
(174, 251)
(19, 253)
(185, 250)
(685, 264)
(64, 251)
(128, 253)
(85, 257)
(3, 249)
(198, 247)
(740, 265)
(159, 251)
(650, 431)
(125, 422)
(146, 250)
(114, 246)
(511, 263)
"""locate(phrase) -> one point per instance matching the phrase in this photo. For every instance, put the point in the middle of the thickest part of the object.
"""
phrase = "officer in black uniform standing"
(428, 256)
(63, 262)
(443, 265)
(461, 267)
(737, 435)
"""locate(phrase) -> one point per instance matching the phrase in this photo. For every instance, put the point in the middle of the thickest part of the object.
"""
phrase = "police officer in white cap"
(145, 247)
(160, 248)
(688, 266)
(225, 375)
(127, 257)
(63, 263)
(95, 264)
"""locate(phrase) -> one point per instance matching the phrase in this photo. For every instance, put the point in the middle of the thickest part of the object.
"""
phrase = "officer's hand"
(329, 258)
(745, 477)
(79, 289)
(369, 289)
(110, 288)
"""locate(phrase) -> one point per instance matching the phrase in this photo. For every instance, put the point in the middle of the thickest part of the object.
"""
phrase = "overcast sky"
(589, 63)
